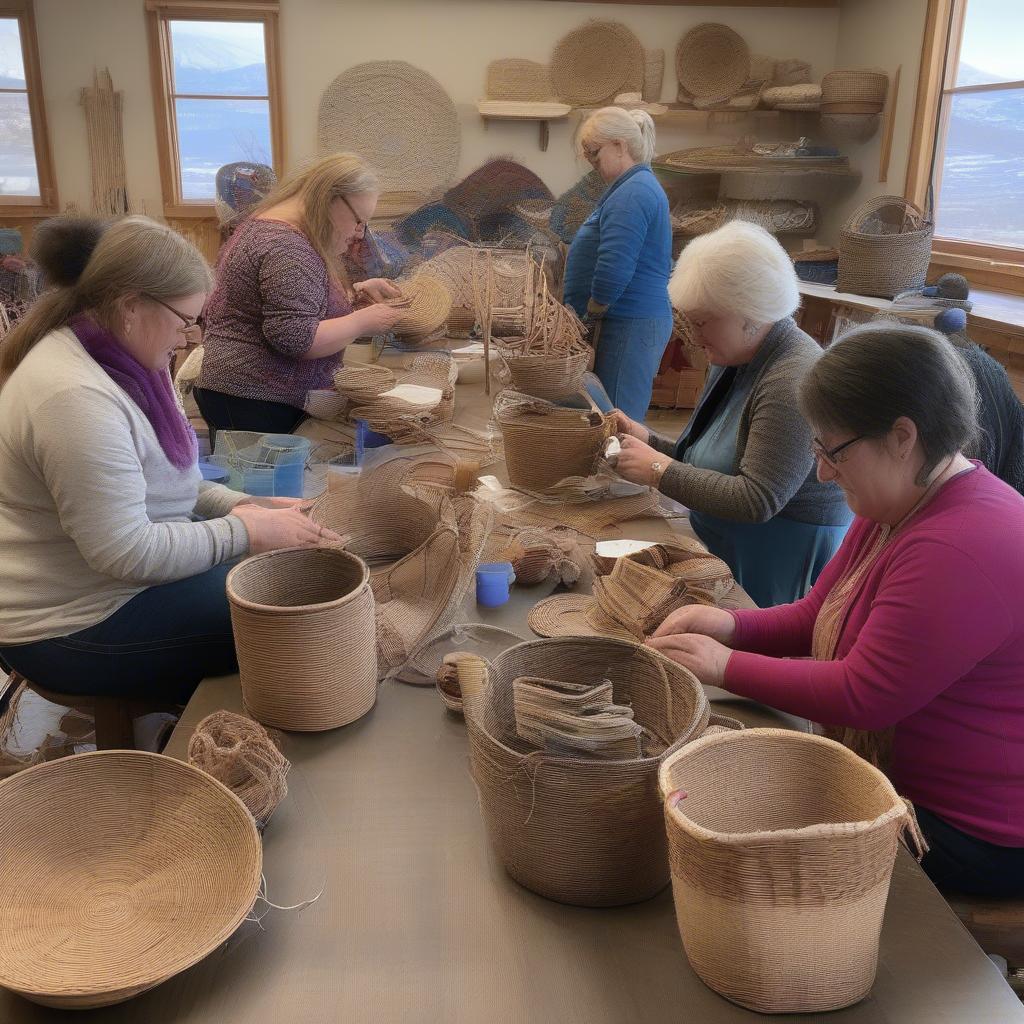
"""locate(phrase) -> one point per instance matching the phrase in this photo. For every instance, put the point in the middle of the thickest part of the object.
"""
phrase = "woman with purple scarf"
(115, 551)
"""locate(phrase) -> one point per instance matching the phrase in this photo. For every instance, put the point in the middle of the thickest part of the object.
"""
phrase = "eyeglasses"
(591, 155)
(833, 456)
(193, 329)
(360, 223)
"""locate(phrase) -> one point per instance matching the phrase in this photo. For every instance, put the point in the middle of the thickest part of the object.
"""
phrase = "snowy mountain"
(968, 74)
(203, 53)
(12, 75)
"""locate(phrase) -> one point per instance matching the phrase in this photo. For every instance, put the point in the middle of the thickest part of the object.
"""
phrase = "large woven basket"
(304, 631)
(572, 829)
(118, 870)
(884, 248)
(548, 376)
(545, 444)
(782, 846)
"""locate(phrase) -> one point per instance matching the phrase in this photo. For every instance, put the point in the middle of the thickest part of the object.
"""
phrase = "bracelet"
(658, 468)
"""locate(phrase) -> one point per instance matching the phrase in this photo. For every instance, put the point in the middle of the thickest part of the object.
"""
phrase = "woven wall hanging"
(712, 61)
(595, 62)
(513, 78)
(104, 120)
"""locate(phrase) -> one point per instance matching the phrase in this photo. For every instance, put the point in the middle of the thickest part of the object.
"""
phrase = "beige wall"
(453, 40)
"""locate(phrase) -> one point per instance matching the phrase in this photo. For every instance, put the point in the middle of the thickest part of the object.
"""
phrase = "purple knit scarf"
(151, 390)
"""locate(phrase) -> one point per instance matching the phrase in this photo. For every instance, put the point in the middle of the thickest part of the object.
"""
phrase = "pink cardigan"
(933, 645)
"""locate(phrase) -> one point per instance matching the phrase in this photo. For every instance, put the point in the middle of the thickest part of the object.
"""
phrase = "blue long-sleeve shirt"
(622, 254)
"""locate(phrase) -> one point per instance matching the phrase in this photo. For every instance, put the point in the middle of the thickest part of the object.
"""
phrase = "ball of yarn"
(953, 286)
(240, 753)
(951, 321)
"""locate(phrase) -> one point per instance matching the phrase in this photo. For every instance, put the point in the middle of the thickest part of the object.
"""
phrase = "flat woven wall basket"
(592, 64)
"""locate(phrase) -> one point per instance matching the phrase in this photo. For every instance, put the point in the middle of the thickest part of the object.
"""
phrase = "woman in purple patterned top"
(281, 312)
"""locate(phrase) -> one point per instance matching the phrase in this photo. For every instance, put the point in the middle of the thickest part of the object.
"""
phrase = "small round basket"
(118, 870)
(549, 376)
(855, 85)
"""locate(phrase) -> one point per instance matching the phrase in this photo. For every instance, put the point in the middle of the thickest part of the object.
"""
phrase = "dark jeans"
(159, 645)
(226, 412)
(956, 860)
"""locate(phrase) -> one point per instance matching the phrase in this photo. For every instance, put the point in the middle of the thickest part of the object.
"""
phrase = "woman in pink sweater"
(912, 639)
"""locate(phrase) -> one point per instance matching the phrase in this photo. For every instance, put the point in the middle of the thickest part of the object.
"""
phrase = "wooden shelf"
(542, 114)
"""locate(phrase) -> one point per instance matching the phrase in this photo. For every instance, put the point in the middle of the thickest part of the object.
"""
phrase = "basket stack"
(852, 101)
(303, 620)
(884, 248)
(573, 829)
(780, 877)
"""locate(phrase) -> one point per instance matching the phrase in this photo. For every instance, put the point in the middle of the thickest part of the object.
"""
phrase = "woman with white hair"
(617, 270)
(743, 465)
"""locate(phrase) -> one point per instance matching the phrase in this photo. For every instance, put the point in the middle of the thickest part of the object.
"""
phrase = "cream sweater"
(91, 510)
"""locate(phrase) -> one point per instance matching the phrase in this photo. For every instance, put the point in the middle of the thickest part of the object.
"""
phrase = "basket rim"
(275, 609)
(763, 837)
(190, 959)
(540, 758)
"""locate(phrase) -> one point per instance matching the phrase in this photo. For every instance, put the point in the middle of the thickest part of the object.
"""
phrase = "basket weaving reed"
(303, 620)
(101, 904)
(884, 248)
(712, 61)
(545, 444)
(595, 62)
(513, 78)
(654, 75)
(855, 85)
(581, 831)
(780, 876)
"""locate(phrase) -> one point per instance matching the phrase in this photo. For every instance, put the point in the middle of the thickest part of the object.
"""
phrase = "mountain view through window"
(19, 175)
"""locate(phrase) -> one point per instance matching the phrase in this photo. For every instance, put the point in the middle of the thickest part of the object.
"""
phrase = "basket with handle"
(885, 248)
(780, 877)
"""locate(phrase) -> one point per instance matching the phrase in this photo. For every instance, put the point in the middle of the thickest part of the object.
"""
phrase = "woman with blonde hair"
(110, 583)
(617, 270)
(743, 466)
(283, 308)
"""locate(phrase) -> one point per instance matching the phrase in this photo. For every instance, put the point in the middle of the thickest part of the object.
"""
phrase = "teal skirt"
(775, 562)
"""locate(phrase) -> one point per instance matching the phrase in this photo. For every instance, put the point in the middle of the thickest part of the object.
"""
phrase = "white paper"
(414, 394)
(475, 349)
(492, 483)
(620, 548)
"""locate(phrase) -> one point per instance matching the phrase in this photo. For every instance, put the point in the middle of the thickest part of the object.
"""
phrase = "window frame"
(46, 203)
(159, 14)
(993, 266)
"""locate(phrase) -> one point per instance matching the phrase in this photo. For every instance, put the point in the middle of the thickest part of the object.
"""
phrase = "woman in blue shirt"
(619, 262)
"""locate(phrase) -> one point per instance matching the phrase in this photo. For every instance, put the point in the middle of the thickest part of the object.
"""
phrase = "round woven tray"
(855, 85)
(396, 117)
(712, 61)
(118, 870)
(304, 632)
(595, 62)
(566, 615)
(428, 309)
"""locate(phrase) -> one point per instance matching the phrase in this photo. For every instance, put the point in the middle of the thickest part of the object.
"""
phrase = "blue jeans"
(159, 645)
(628, 355)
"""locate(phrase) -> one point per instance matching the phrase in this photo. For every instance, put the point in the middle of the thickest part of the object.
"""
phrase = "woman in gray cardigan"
(743, 466)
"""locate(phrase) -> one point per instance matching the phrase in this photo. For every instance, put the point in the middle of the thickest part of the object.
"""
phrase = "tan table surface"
(418, 921)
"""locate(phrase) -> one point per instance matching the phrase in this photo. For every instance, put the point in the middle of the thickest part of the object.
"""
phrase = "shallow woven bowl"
(712, 61)
(428, 309)
(118, 870)
(855, 85)
(595, 62)
(849, 127)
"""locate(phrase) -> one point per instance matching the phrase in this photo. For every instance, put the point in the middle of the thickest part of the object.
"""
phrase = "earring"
(128, 329)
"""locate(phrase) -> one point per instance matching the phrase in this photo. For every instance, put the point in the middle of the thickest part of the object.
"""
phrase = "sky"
(994, 37)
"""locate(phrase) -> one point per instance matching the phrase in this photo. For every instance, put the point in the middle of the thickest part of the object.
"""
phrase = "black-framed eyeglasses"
(192, 329)
(360, 223)
(833, 456)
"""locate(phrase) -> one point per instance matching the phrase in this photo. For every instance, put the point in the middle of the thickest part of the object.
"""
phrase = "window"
(26, 179)
(215, 88)
(969, 138)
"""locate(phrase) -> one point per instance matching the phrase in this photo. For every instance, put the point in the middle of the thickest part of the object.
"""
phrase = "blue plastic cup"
(367, 438)
(492, 582)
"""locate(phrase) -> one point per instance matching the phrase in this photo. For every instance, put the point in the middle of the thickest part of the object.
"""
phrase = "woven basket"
(851, 108)
(572, 829)
(779, 216)
(427, 313)
(781, 845)
(118, 870)
(304, 631)
(595, 62)
(461, 321)
(788, 96)
(791, 72)
(324, 403)
(512, 78)
(654, 75)
(545, 444)
(548, 376)
(884, 264)
(712, 61)
(855, 85)
(363, 382)
(849, 127)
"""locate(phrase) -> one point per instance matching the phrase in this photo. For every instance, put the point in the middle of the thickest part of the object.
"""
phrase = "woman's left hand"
(377, 289)
(635, 460)
(704, 657)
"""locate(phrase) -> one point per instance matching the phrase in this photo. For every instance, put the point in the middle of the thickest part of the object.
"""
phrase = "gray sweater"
(773, 469)
(91, 510)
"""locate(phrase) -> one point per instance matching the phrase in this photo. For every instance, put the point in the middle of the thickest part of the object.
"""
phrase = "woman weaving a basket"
(743, 465)
(915, 630)
(109, 582)
(616, 273)
(282, 310)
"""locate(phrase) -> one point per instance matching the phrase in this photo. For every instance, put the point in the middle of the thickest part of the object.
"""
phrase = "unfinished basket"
(884, 248)
(855, 85)
(595, 62)
(427, 311)
(468, 637)
(780, 876)
(545, 444)
(572, 829)
(712, 61)
(513, 78)
(461, 321)
(304, 631)
(654, 75)
(118, 870)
